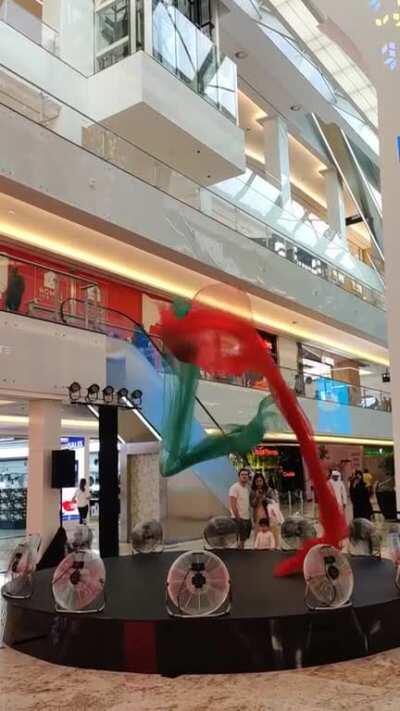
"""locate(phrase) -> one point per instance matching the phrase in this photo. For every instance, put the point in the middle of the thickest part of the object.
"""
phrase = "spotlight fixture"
(241, 54)
(74, 392)
(296, 107)
(386, 376)
(136, 397)
(92, 393)
(122, 394)
(108, 394)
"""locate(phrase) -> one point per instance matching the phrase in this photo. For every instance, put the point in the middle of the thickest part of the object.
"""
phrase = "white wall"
(44, 358)
(32, 62)
(77, 34)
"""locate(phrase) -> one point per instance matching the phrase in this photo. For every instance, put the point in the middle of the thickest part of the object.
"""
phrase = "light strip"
(333, 439)
(24, 420)
(147, 279)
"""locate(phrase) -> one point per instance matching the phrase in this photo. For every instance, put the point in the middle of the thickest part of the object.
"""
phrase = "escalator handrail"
(141, 328)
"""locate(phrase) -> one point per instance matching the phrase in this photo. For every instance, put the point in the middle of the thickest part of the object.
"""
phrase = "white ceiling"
(340, 65)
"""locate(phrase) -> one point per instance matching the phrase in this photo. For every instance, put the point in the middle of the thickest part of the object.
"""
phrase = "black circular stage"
(268, 627)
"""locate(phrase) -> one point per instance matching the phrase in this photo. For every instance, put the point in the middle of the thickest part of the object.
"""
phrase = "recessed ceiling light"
(296, 107)
(241, 54)
(11, 212)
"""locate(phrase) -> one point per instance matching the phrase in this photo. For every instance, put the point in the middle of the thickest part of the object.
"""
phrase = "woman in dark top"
(258, 498)
(359, 495)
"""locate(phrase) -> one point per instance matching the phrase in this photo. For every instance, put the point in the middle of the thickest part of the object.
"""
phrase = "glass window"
(112, 32)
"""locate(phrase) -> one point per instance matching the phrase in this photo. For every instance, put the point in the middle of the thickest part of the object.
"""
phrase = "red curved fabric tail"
(331, 518)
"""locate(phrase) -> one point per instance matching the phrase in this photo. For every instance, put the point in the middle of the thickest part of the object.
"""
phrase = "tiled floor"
(371, 684)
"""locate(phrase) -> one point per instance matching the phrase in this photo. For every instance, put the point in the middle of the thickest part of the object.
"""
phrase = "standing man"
(239, 504)
(15, 290)
(338, 488)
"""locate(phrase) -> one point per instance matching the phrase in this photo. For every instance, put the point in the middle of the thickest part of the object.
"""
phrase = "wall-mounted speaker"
(63, 472)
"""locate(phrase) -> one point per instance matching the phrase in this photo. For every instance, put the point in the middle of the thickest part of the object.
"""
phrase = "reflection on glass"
(164, 43)
(188, 53)
(186, 61)
(112, 33)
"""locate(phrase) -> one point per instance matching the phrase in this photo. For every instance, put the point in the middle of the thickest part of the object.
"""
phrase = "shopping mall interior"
(199, 355)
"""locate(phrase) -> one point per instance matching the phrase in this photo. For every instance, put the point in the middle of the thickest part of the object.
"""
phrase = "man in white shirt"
(239, 504)
(338, 488)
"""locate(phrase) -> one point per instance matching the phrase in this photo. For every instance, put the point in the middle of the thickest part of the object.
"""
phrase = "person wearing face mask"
(338, 488)
(359, 495)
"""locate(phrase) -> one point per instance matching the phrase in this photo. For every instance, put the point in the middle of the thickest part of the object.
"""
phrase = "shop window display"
(13, 494)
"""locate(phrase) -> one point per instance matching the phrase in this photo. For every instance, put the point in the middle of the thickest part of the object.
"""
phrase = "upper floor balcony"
(145, 68)
(239, 233)
(67, 319)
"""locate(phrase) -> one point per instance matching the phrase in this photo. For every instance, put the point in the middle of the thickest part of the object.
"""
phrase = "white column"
(74, 22)
(276, 154)
(389, 122)
(145, 487)
(124, 496)
(335, 201)
(86, 465)
(288, 359)
(43, 501)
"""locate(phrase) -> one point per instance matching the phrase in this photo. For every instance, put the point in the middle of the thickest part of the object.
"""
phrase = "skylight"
(347, 74)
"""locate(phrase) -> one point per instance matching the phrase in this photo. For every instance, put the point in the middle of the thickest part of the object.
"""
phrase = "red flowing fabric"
(222, 344)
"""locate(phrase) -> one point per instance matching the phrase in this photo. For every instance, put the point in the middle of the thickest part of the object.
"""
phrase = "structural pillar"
(335, 201)
(43, 506)
(108, 480)
(86, 464)
(276, 155)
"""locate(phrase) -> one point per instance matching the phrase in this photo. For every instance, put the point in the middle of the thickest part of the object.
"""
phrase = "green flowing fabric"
(177, 453)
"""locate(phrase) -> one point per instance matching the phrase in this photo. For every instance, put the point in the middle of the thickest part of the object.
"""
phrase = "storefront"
(14, 481)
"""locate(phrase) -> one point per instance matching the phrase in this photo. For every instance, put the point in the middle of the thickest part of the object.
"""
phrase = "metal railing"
(32, 289)
(109, 146)
(116, 324)
(320, 388)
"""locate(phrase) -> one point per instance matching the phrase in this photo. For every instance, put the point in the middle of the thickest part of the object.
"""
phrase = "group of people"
(254, 503)
(360, 491)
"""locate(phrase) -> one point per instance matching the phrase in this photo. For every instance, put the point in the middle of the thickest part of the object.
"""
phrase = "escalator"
(361, 178)
(134, 360)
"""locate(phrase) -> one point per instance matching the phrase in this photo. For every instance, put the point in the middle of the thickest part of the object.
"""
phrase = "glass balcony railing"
(310, 233)
(117, 325)
(190, 55)
(31, 289)
(29, 24)
(296, 52)
(251, 223)
(319, 388)
(178, 44)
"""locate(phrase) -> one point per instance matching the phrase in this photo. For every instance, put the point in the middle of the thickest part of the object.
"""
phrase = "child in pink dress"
(265, 538)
